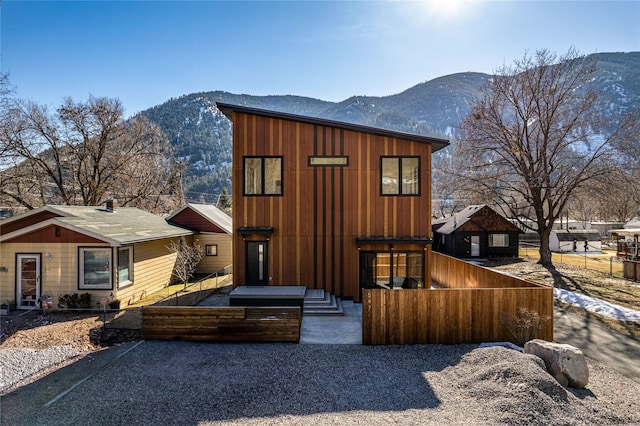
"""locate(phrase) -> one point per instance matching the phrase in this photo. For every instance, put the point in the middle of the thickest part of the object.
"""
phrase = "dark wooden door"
(257, 272)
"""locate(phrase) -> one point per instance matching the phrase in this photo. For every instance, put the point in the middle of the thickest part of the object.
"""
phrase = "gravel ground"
(205, 384)
(178, 383)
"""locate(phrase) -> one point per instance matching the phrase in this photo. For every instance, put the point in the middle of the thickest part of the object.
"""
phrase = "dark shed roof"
(228, 109)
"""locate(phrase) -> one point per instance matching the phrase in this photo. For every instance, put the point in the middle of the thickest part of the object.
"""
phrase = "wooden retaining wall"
(476, 305)
(222, 324)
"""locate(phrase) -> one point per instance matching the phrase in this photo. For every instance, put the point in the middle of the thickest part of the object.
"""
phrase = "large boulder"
(565, 363)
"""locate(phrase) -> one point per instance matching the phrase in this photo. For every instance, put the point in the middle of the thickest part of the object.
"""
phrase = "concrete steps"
(318, 302)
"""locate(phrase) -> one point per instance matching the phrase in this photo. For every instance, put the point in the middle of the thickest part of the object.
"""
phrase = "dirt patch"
(83, 331)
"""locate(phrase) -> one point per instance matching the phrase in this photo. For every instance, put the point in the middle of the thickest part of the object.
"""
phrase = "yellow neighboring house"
(109, 252)
(214, 231)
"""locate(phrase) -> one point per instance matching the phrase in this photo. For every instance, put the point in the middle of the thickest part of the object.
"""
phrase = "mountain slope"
(201, 135)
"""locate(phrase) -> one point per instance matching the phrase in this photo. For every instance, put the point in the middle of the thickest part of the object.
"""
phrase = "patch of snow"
(596, 305)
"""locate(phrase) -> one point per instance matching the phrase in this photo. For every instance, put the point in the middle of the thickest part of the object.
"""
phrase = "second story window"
(262, 175)
(400, 176)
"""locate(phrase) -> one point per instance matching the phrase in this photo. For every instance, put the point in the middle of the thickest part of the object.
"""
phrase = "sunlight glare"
(447, 8)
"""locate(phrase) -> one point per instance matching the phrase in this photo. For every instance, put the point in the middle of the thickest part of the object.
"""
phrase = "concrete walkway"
(598, 342)
(341, 330)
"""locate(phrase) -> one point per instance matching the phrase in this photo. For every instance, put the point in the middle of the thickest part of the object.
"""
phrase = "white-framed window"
(125, 266)
(94, 264)
(498, 240)
(211, 249)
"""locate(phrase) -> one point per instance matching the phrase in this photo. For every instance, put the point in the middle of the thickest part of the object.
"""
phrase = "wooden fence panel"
(235, 324)
(450, 272)
(450, 316)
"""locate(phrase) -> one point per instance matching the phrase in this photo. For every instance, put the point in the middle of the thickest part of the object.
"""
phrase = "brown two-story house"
(329, 205)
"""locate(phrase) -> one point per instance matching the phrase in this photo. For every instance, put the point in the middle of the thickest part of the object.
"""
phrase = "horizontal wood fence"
(477, 305)
(222, 324)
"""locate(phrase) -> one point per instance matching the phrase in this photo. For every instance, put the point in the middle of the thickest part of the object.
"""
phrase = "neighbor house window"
(498, 240)
(211, 249)
(263, 175)
(400, 175)
(95, 268)
(125, 266)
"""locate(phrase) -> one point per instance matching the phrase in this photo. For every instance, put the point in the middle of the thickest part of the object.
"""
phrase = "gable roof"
(229, 109)
(127, 225)
(457, 220)
(210, 213)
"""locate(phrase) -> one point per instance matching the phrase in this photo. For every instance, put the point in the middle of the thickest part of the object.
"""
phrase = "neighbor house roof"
(229, 109)
(125, 225)
(210, 213)
(629, 232)
(457, 220)
(577, 235)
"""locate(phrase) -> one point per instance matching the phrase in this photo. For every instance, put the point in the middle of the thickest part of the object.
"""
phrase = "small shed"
(476, 231)
(628, 250)
(575, 241)
(214, 232)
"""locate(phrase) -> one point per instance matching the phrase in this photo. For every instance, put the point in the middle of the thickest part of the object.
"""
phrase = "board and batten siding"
(323, 209)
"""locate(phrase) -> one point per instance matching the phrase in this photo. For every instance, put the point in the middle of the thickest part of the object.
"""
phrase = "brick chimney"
(112, 205)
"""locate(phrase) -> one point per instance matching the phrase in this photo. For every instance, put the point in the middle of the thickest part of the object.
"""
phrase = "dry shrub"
(524, 325)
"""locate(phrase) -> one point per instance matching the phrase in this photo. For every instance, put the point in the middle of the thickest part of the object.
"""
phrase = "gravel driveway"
(188, 383)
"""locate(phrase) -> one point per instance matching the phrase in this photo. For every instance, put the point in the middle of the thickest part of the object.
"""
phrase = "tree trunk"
(545, 250)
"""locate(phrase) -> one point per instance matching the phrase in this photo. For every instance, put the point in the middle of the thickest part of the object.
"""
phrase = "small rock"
(565, 363)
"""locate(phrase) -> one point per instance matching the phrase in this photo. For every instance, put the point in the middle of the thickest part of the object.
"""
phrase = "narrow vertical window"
(261, 262)
(125, 263)
(390, 176)
(252, 176)
(410, 176)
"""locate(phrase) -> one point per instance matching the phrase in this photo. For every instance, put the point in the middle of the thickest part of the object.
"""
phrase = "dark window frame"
(400, 160)
(328, 159)
(206, 249)
(262, 172)
(392, 271)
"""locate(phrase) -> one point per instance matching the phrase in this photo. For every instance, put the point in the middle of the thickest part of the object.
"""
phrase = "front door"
(28, 281)
(256, 268)
(475, 245)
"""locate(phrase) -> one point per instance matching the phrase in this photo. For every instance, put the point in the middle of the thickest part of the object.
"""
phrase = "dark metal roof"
(577, 235)
(228, 109)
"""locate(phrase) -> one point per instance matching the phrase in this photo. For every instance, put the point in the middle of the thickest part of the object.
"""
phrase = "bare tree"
(85, 153)
(187, 259)
(534, 139)
(616, 195)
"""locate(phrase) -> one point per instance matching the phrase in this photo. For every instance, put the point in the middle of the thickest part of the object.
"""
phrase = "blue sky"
(145, 52)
